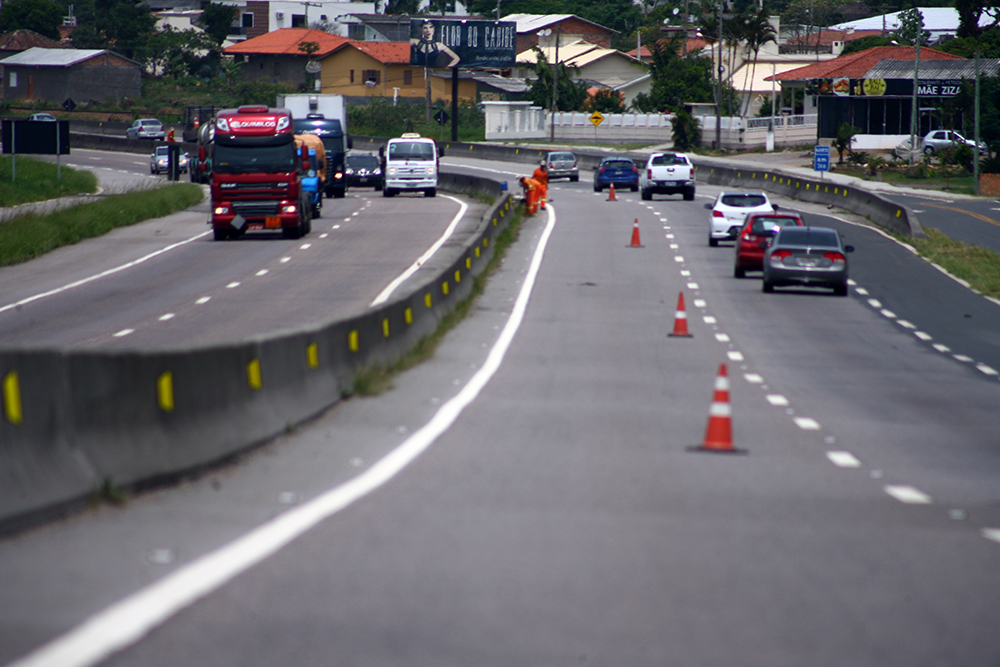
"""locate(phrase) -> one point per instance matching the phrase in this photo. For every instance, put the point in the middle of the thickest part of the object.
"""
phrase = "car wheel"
(647, 195)
(574, 179)
(597, 188)
(929, 151)
(635, 188)
(739, 272)
(388, 192)
(840, 290)
(430, 192)
(766, 287)
(712, 243)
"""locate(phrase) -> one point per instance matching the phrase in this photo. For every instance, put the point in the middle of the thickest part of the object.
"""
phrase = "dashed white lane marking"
(203, 300)
(961, 357)
(807, 423)
(874, 303)
(843, 459)
(699, 303)
(384, 295)
(777, 400)
(861, 290)
(103, 274)
(923, 336)
(262, 272)
(722, 338)
(908, 494)
(986, 370)
(708, 319)
(285, 259)
(753, 378)
(305, 246)
(992, 534)
(167, 316)
(233, 285)
(888, 313)
(129, 620)
(323, 235)
(678, 258)
(124, 332)
(674, 246)
(944, 349)
(906, 324)
(734, 355)
(335, 227)
(685, 273)
(692, 285)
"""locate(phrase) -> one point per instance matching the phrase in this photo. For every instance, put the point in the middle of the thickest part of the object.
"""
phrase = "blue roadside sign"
(821, 158)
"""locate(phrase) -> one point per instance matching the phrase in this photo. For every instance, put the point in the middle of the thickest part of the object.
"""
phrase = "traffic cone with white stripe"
(635, 235)
(719, 431)
(680, 319)
(611, 193)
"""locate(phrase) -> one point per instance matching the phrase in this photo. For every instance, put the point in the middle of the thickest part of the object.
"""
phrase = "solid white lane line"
(103, 274)
(843, 459)
(384, 295)
(908, 494)
(129, 620)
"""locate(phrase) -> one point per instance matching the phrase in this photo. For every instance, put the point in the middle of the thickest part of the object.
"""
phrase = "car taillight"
(835, 257)
(747, 236)
(551, 166)
(635, 169)
(574, 164)
(779, 255)
(601, 169)
(717, 214)
(649, 174)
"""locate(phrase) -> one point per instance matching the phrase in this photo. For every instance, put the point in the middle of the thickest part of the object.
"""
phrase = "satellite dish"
(313, 67)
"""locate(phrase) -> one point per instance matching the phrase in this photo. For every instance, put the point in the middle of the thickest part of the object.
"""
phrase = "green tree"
(174, 53)
(41, 16)
(844, 139)
(686, 131)
(911, 27)
(808, 17)
(866, 43)
(757, 31)
(605, 100)
(217, 21)
(571, 94)
(402, 6)
(118, 25)
(676, 79)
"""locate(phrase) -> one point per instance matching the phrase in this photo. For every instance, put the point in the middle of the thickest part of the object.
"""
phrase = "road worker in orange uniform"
(532, 191)
(542, 176)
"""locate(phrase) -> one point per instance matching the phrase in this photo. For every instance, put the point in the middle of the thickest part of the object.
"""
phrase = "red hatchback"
(755, 237)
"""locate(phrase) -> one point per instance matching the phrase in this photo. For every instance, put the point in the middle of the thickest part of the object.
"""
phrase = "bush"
(686, 131)
(990, 165)
(858, 158)
(960, 154)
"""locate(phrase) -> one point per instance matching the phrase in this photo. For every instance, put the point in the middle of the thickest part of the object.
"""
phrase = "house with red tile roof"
(277, 56)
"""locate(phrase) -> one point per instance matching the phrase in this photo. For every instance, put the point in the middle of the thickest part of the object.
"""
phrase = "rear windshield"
(744, 201)
(669, 160)
(151, 122)
(767, 224)
(362, 161)
(809, 237)
(561, 157)
(618, 164)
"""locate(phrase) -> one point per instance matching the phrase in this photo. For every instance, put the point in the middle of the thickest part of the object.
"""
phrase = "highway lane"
(560, 519)
(166, 284)
(971, 221)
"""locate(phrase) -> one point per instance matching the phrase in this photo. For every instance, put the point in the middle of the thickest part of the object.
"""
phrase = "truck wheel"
(739, 272)
(292, 232)
(597, 188)
(388, 192)
(647, 195)
(430, 192)
(339, 194)
(689, 195)
(220, 234)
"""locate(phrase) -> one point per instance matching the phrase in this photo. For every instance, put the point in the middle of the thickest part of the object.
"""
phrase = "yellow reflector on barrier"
(312, 355)
(468, 261)
(385, 328)
(253, 374)
(427, 299)
(486, 242)
(12, 398)
(165, 391)
(352, 341)
(899, 212)
(408, 316)
(477, 252)
(444, 288)
(458, 276)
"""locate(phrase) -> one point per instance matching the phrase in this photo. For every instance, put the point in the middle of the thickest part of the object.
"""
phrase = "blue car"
(620, 171)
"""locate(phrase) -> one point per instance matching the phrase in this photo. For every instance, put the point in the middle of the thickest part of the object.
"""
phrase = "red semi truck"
(256, 171)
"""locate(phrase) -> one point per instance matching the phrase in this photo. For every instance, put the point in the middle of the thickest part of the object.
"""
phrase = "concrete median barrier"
(73, 420)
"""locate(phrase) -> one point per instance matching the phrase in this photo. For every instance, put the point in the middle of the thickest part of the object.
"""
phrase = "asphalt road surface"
(528, 496)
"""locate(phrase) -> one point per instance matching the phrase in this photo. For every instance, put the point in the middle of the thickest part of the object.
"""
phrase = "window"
(247, 20)
(298, 20)
(13, 79)
(407, 77)
(352, 76)
(371, 77)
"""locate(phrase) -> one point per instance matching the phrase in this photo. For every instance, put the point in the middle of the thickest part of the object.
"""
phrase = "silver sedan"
(807, 256)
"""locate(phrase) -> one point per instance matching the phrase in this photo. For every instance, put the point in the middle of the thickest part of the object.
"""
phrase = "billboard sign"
(444, 43)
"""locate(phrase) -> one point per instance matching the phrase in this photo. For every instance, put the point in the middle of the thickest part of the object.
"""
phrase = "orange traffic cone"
(611, 193)
(635, 235)
(680, 319)
(719, 432)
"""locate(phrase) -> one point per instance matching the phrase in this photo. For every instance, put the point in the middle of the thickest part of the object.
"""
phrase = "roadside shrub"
(686, 131)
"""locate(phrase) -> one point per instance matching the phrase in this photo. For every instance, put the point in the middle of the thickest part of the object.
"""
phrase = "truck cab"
(410, 163)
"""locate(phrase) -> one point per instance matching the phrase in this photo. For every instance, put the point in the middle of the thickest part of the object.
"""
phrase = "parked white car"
(938, 140)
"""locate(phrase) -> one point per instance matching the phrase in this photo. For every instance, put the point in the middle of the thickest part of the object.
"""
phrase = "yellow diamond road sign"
(596, 118)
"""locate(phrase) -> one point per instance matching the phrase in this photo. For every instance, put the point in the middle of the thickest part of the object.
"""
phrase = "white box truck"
(326, 117)
(409, 163)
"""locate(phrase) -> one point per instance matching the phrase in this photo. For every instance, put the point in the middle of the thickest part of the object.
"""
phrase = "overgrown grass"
(978, 266)
(960, 184)
(378, 378)
(36, 180)
(29, 236)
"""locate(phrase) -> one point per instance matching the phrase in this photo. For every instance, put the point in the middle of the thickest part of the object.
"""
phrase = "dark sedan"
(756, 235)
(618, 171)
(363, 171)
(807, 256)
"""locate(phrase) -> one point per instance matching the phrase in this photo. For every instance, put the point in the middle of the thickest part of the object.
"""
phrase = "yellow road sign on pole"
(596, 118)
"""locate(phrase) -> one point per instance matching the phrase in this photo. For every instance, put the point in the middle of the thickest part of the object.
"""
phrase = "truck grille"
(256, 209)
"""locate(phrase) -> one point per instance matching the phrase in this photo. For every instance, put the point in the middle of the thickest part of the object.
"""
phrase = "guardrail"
(73, 419)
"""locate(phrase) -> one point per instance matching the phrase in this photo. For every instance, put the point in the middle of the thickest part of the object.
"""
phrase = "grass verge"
(378, 378)
(38, 180)
(977, 266)
(29, 236)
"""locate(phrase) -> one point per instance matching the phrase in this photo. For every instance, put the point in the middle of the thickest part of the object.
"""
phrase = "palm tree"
(757, 31)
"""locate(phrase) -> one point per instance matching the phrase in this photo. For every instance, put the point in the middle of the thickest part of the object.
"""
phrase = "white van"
(410, 162)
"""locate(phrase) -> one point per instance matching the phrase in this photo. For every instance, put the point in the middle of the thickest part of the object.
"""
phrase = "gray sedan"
(807, 256)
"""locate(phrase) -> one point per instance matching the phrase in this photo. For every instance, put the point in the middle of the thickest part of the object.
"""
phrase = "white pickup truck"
(667, 174)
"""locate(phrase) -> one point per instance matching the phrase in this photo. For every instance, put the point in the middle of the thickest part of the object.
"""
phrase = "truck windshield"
(411, 150)
(254, 159)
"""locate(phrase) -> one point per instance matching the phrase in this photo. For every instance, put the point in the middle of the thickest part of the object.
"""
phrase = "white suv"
(730, 210)
(667, 174)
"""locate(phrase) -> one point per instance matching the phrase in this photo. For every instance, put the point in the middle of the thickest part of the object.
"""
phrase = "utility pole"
(915, 113)
(718, 95)
(975, 151)
(555, 88)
